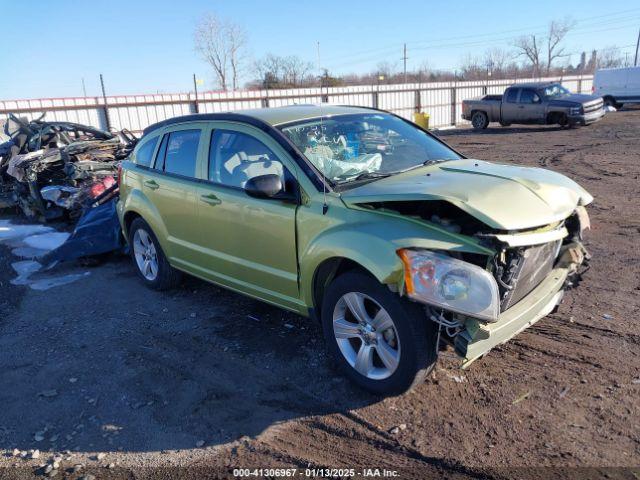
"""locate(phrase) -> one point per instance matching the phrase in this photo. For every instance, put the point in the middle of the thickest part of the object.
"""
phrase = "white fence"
(441, 100)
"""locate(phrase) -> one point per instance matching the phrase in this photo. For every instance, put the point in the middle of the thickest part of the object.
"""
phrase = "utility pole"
(106, 109)
(635, 63)
(84, 88)
(404, 58)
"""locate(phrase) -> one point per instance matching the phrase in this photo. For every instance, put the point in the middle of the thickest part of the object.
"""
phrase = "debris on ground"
(54, 170)
(522, 397)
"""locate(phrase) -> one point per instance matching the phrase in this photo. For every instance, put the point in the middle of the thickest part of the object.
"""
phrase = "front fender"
(136, 202)
(373, 246)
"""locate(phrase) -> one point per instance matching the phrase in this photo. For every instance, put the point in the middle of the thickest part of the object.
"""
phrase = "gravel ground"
(124, 382)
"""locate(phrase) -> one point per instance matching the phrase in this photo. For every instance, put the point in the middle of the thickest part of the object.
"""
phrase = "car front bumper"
(478, 338)
(588, 118)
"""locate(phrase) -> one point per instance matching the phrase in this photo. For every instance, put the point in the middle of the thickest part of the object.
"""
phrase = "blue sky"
(147, 46)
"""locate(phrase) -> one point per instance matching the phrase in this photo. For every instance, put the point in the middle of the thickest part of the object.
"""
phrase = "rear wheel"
(151, 263)
(479, 120)
(611, 102)
(380, 341)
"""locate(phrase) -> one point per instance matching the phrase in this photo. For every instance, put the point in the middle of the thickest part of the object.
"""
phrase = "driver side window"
(235, 157)
(529, 96)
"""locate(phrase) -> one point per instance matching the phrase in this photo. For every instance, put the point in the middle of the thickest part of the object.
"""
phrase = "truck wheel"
(505, 124)
(479, 120)
(379, 340)
(611, 102)
(562, 120)
(151, 263)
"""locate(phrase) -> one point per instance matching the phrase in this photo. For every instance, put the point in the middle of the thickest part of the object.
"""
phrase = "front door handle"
(151, 184)
(211, 199)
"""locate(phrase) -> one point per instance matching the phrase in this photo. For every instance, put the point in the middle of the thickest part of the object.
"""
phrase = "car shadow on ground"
(107, 365)
(498, 130)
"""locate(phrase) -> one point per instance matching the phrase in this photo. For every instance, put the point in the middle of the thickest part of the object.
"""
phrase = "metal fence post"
(417, 101)
(580, 84)
(454, 101)
(374, 99)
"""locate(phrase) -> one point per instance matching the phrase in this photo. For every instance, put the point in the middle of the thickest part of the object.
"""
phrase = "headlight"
(452, 284)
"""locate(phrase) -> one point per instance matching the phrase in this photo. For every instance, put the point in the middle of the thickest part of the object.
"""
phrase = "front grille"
(592, 107)
(534, 265)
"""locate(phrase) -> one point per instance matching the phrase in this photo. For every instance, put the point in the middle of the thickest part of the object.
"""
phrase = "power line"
(525, 29)
(502, 39)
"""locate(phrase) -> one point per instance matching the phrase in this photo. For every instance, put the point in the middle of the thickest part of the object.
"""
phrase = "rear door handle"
(211, 199)
(151, 184)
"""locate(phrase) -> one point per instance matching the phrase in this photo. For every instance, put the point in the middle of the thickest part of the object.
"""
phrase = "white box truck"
(617, 86)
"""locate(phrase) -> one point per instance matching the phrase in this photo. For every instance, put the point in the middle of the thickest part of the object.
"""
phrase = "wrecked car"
(360, 219)
(54, 170)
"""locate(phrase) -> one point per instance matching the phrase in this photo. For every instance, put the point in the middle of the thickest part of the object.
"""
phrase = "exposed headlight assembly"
(442, 281)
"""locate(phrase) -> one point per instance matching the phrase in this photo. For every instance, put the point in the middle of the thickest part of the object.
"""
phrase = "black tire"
(611, 102)
(417, 334)
(479, 120)
(505, 124)
(167, 277)
(563, 120)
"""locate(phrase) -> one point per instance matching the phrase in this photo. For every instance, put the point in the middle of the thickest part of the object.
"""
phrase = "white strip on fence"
(441, 100)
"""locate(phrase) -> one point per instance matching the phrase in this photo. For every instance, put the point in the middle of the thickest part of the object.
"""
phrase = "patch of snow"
(31, 241)
(24, 269)
(610, 108)
(50, 282)
(47, 241)
(10, 231)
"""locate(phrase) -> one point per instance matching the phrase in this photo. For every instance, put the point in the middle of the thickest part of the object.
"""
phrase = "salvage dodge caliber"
(355, 217)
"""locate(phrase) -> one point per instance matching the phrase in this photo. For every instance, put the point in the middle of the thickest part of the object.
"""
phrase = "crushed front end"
(483, 301)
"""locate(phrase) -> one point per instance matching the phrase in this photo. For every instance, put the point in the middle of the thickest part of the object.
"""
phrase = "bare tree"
(530, 46)
(282, 72)
(557, 31)
(497, 59)
(296, 70)
(610, 57)
(221, 44)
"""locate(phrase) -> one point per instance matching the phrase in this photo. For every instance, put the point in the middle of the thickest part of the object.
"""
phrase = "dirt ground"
(199, 381)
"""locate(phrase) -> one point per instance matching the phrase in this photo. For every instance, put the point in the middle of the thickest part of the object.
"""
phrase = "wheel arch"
(137, 205)
(326, 272)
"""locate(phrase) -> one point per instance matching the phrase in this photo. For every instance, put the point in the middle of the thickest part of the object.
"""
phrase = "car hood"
(573, 98)
(504, 197)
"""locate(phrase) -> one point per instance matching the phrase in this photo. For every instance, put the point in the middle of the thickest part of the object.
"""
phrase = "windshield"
(555, 90)
(352, 147)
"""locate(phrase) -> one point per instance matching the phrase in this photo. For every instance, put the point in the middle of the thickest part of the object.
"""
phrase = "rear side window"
(178, 153)
(145, 152)
(512, 95)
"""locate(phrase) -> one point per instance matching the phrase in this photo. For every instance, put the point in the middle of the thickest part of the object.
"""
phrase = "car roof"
(533, 84)
(272, 116)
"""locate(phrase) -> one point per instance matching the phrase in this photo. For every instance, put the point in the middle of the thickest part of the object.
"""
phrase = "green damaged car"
(355, 217)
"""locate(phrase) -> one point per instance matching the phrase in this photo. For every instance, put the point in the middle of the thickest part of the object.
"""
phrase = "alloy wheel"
(366, 336)
(145, 253)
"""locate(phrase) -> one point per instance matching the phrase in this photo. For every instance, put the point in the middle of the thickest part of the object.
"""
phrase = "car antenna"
(325, 206)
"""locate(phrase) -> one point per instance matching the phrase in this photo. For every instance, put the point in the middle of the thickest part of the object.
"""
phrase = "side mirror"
(264, 186)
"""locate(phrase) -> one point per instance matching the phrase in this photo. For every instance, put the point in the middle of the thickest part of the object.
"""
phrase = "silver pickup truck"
(541, 103)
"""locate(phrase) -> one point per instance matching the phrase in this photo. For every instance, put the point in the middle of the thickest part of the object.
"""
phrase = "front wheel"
(479, 120)
(382, 342)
